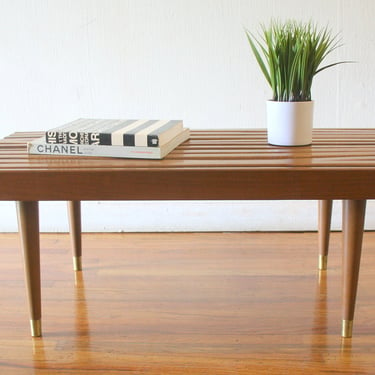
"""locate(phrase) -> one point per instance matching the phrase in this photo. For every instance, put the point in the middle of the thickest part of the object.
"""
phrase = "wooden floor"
(197, 303)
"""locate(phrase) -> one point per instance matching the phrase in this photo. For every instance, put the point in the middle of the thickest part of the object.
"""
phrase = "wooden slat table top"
(212, 164)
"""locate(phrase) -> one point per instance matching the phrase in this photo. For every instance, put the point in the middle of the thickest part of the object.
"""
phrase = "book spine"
(145, 133)
(59, 149)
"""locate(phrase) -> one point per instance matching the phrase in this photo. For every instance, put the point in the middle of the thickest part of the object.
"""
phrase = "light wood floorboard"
(193, 303)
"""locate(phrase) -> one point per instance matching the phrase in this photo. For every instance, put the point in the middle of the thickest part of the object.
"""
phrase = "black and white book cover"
(143, 133)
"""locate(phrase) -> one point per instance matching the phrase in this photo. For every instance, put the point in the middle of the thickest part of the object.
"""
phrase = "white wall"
(189, 59)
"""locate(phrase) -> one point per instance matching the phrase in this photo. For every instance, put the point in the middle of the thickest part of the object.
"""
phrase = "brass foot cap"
(347, 328)
(36, 328)
(323, 260)
(77, 263)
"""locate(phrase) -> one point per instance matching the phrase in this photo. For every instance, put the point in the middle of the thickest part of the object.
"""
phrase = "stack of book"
(145, 139)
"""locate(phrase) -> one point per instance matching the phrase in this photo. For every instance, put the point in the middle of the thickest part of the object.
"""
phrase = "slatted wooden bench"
(212, 165)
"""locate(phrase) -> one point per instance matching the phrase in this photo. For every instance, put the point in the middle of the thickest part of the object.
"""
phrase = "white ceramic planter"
(289, 123)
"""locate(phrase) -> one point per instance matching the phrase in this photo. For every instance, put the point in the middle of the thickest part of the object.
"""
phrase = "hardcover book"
(41, 147)
(144, 133)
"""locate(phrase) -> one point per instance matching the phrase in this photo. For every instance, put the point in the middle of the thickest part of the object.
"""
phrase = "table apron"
(188, 184)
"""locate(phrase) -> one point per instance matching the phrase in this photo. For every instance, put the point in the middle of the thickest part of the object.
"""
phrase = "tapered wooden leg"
(353, 225)
(28, 224)
(74, 210)
(324, 228)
